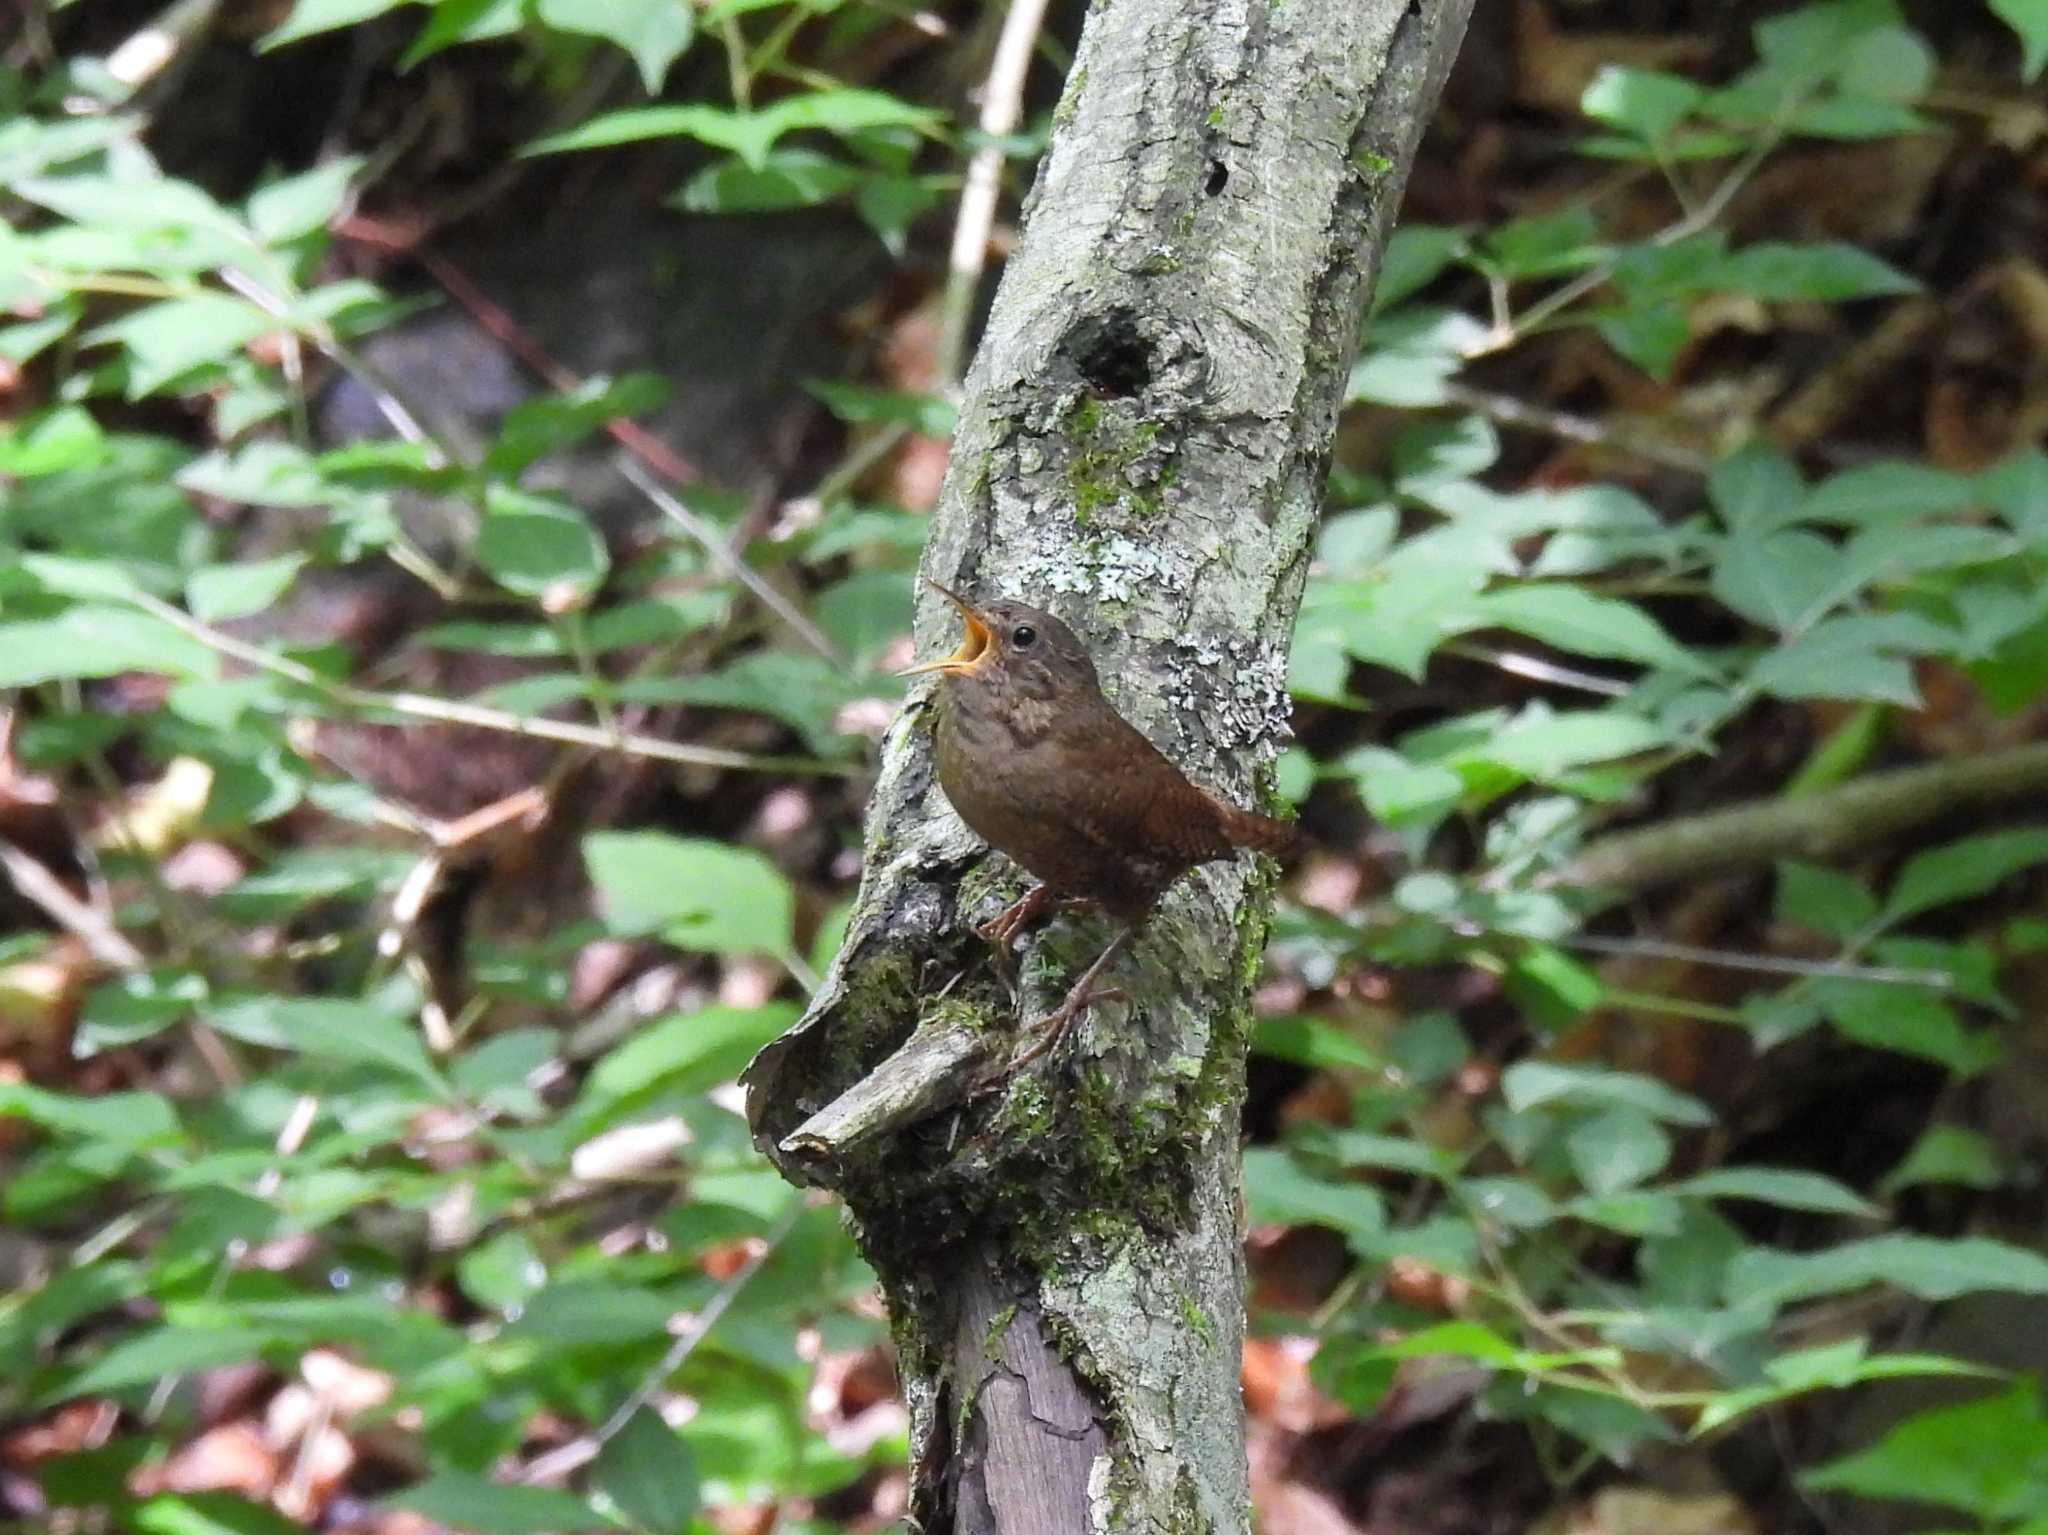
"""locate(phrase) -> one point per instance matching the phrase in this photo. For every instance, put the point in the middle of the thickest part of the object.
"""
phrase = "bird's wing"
(1129, 797)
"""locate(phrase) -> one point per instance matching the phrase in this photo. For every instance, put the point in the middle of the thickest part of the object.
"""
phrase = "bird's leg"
(1003, 928)
(1053, 1027)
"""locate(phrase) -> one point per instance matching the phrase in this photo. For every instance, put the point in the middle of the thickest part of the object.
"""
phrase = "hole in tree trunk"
(1113, 357)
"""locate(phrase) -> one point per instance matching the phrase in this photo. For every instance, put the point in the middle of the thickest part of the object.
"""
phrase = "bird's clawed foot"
(1084, 994)
(1006, 926)
(1002, 929)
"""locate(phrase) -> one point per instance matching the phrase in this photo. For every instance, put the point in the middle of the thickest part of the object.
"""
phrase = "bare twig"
(1817, 826)
(1002, 104)
(1509, 329)
(1614, 437)
(454, 712)
(580, 1452)
(1768, 964)
(934, 1069)
(94, 928)
(722, 554)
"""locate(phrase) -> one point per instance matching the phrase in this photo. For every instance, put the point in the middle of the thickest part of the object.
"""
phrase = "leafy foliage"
(307, 1163)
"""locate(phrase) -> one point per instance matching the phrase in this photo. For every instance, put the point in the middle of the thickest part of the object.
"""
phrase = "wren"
(1043, 768)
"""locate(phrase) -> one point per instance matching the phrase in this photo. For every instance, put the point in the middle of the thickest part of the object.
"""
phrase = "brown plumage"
(1036, 761)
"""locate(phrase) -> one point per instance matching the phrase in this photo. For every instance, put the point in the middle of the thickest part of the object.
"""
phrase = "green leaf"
(1924, 1266)
(1555, 988)
(1947, 1154)
(473, 1503)
(93, 641)
(930, 415)
(804, 691)
(890, 205)
(1436, 452)
(653, 33)
(464, 21)
(131, 1007)
(1651, 333)
(1824, 900)
(1632, 1212)
(1413, 259)
(344, 1029)
(124, 1120)
(1786, 1188)
(1462, 1340)
(1887, 64)
(1646, 102)
(310, 17)
(681, 1053)
(1279, 1192)
(534, 428)
(1780, 580)
(1542, 245)
(1617, 1150)
(502, 1272)
(219, 592)
(263, 473)
(1536, 1084)
(586, 1312)
(696, 894)
(1314, 1043)
(1983, 1457)
(167, 340)
(1543, 745)
(1893, 489)
(648, 1471)
(1852, 655)
(750, 135)
(786, 178)
(208, 1513)
(300, 204)
(1907, 1020)
(71, 576)
(50, 442)
(1830, 1366)
(1962, 870)
(1578, 621)
(540, 548)
(865, 613)
(1411, 356)
(2017, 486)
(150, 1356)
(1827, 271)
(2029, 20)
(1430, 1047)
(1756, 488)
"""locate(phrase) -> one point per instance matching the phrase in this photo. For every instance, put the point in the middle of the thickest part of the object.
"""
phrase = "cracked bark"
(1141, 449)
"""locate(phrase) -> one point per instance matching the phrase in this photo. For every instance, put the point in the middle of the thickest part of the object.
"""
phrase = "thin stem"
(1767, 964)
(1511, 412)
(452, 712)
(1593, 278)
(1002, 104)
(708, 538)
(582, 1451)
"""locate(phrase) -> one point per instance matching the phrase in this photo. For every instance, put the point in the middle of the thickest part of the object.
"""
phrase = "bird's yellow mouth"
(975, 645)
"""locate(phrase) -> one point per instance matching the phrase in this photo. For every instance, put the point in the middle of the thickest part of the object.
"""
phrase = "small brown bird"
(1036, 761)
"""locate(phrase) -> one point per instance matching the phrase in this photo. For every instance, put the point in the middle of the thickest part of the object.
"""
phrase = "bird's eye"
(1023, 636)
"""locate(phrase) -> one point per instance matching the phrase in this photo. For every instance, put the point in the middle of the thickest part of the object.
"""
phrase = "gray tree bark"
(1142, 449)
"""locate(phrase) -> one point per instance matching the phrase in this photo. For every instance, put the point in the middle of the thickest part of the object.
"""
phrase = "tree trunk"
(1142, 449)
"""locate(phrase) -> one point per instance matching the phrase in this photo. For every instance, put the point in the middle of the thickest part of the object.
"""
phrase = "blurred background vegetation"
(462, 467)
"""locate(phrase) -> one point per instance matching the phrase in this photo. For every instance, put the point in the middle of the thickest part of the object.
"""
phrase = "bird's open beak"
(975, 644)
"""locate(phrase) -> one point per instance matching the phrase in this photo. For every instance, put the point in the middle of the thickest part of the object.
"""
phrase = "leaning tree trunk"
(1142, 449)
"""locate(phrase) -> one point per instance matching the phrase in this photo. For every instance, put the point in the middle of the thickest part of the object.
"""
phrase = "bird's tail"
(1260, 833)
